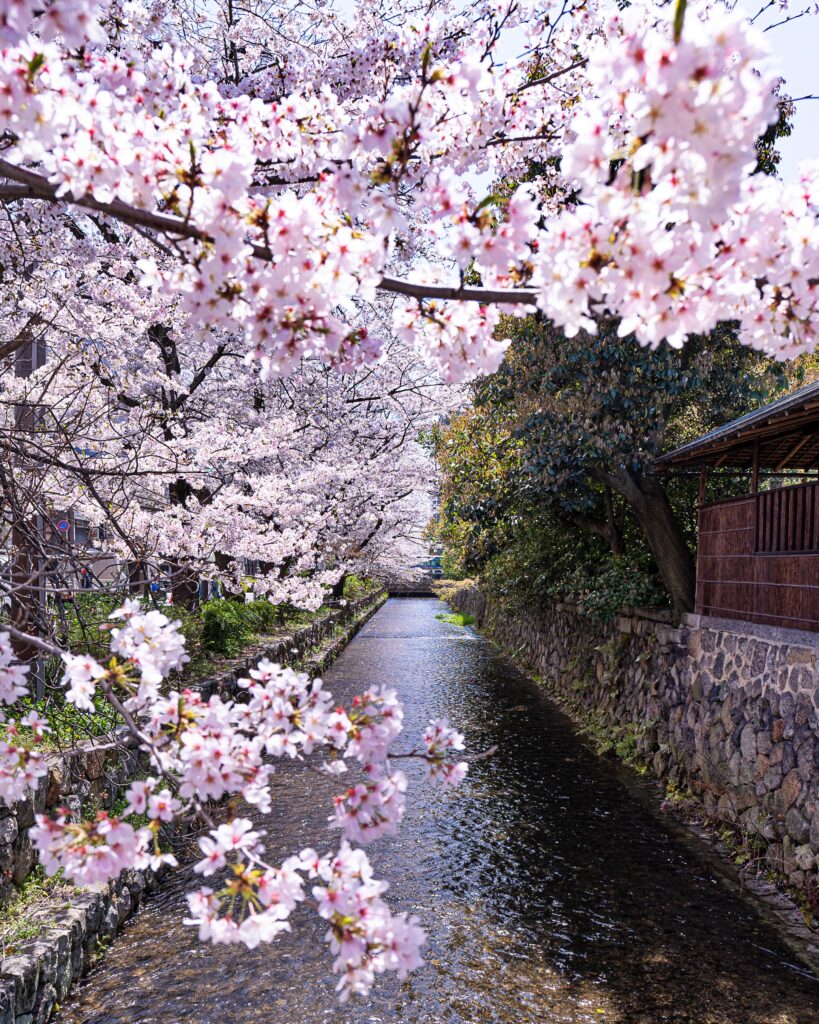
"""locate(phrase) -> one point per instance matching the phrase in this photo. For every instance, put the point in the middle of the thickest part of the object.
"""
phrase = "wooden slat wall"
(758, 558)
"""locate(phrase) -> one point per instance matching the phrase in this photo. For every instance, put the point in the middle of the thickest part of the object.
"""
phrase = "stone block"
(747, 742)
(45, 951)
(54, 787)
(46, 1002)
(124, 905)
(7, 1014)
(795, 655)
(24, 971)
(814, 830)
(65, 965)
(797, 827)
(24, 860)
(26, 811)
(803, 709)
(745, 797)
(110, 921)
(8, 829)
(758, 659)
(791, 786)
(804, 759)
(787, 708)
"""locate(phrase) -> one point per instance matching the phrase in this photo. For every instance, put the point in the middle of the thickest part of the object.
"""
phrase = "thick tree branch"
(30, 185)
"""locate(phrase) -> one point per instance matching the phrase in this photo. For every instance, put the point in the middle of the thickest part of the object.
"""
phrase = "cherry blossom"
(149, 640)
(251, 272)
(200, 751)
(20, 765)
(12, 673)
(280, 199)
(81, 675)
(88, 852)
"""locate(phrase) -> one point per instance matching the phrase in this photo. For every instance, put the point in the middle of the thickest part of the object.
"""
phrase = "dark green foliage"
(77, 627)
(68, 724)
(548, 481)
(77, 624)
(229, 626)
(546, 562)
(767, 154)
(591, 405)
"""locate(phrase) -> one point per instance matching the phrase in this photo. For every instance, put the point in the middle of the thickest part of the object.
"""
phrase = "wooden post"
(755, 492)
(755, 470)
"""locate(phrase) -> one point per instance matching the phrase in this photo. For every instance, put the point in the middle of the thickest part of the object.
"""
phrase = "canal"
(549, 893)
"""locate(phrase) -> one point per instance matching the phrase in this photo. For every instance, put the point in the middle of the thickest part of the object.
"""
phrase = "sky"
(795, 49)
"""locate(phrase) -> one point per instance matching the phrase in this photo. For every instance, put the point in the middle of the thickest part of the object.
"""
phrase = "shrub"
(456, 618)
(357, 586)
(229, 626)
(226, 627)
(538, 567)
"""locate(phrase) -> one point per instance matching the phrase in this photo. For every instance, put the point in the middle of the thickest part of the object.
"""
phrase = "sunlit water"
(549, 893)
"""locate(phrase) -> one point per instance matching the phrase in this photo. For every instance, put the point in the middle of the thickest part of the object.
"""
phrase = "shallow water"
(550, 894)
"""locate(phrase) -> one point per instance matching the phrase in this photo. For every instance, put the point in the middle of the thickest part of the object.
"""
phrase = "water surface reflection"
(549, 894)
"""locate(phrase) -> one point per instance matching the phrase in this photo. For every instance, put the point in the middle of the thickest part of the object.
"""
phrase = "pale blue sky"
(795, 49)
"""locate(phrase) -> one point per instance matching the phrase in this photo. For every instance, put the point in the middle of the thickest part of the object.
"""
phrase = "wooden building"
(758, 555)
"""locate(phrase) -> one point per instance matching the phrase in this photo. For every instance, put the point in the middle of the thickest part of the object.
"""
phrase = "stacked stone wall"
(723, 708)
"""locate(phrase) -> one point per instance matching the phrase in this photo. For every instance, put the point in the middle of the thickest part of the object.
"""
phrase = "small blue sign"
(62, 526)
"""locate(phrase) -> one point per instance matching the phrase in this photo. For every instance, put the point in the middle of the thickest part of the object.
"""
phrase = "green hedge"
(229, 626)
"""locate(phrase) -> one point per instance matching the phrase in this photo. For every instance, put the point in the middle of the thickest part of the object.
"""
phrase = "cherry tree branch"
(30, 185)
(545, 79)
(515, 296)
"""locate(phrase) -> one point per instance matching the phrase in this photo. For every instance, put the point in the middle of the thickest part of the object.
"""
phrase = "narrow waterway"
(549, 893)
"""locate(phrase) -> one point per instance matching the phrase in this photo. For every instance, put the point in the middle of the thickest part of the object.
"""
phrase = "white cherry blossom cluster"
(74, 21)
(440, 740)
(12, 673)
(364, 935)
(89, 851)
(371, 809)
(149, 640)
(287, 198)
(203, 750)
(20, 765)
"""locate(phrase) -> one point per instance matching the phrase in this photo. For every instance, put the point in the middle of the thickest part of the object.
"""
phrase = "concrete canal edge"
(77, 928)
(644, 681)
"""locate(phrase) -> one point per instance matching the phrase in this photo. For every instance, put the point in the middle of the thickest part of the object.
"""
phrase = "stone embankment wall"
(726, 709)
(79, 925)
